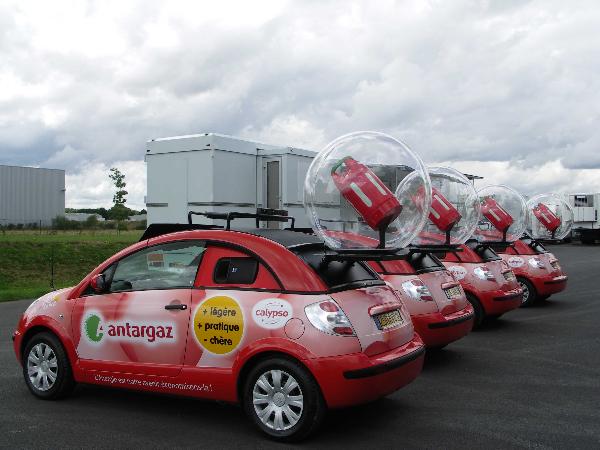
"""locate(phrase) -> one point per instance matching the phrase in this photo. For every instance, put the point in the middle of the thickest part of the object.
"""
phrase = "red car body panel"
(128, 339)
(547, 280)
(498, 295)
(439, 321)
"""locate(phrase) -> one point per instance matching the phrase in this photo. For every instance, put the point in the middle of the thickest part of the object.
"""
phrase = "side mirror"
(98, 283)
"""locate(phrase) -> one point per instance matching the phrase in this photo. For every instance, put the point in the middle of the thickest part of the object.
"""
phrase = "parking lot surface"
(532, 379)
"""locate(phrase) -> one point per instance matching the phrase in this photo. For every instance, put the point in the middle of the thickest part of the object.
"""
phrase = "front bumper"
(437, 329)
(499, 301)
(348, 380)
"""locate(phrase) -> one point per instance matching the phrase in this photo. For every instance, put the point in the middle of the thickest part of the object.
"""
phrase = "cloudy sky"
(509, 90)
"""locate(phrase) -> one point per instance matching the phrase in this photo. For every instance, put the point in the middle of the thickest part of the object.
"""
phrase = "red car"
(437, 303)
(488, 281)
(267, 318)
(538, 271)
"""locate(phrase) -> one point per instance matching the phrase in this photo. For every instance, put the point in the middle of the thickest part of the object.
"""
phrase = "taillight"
(484, 273)
(416, 290)
(328, 317)
(537, 262)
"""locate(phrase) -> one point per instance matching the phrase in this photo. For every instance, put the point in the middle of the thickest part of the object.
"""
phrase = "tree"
(91, 222)
(118, 180)
(119, 211)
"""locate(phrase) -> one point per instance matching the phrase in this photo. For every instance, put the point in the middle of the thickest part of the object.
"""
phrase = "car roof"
(288, 238)
(272, 247)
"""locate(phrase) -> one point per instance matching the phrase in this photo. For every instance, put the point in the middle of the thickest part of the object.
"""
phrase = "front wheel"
(283, 400)
(529, 292)
(46, 367)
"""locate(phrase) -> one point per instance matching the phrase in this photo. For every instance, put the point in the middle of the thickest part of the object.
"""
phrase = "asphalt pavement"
(530, 380)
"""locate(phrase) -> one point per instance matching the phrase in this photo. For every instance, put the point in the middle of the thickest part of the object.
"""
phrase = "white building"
(82, 217)
(217, 173)
(30, 195)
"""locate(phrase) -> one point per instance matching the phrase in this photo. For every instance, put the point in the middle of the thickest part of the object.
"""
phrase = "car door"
(139, 324)
(230, 284)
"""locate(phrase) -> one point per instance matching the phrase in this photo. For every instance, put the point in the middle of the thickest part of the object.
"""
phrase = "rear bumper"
(437, 329)
(357, 378)
(499, 301)
(550, 285)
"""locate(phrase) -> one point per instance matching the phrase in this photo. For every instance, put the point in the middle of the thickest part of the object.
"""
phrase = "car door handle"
(173, 306)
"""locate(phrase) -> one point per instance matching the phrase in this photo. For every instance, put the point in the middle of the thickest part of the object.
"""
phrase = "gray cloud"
(464, 81)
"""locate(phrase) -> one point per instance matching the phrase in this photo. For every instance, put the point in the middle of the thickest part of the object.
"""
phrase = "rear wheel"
(529, 292)
(477, 308)
(436, 348)
(283, 400)
(46, 367)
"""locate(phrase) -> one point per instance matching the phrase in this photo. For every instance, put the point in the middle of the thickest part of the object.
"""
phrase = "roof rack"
(261, 214)
(433, 248)
(496, 245)
(367, 254)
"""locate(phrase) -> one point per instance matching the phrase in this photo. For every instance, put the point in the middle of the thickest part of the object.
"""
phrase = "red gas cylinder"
(442, 213)
(366, 193)
(547, 218)
(496, 214)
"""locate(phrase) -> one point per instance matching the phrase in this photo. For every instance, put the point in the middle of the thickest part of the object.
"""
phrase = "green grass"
(26, 258)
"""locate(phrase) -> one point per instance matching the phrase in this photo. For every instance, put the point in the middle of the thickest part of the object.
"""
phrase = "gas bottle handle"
(336, 166)
(346, 162)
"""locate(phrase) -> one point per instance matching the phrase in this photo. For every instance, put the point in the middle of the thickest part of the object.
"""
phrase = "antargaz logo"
(96, 329)
(93, 329)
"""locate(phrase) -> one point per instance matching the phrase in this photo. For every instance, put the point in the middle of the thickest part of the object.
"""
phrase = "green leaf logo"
(91, 326)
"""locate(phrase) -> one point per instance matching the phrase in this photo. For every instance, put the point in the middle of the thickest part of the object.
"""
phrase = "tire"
(437, 348)
(529, 292)
(478, 309)
(45, 358)
(261, 384)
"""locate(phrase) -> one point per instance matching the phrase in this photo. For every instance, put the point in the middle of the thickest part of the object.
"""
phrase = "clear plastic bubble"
(367, 186)
(549, 217)
(455, 209)
(503, 214)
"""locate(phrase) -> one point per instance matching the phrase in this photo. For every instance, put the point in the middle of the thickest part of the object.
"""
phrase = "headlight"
(537, 263)
(484, 273)
(328, 317)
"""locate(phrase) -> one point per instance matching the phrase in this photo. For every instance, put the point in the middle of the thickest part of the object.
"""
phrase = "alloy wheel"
(525, 292)
(42, 367)
(278, 400)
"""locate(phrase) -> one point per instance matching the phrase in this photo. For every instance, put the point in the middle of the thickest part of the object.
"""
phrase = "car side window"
(235, 270)
(165, 266)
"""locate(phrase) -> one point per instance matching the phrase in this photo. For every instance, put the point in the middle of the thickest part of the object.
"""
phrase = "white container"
(217, 173)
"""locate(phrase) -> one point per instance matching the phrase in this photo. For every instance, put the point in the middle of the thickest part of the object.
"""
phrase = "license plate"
(388, 320)
(453, 292)
(510, 276)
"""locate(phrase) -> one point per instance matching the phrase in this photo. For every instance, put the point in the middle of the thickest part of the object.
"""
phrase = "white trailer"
(217, 173)
(585, 209)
